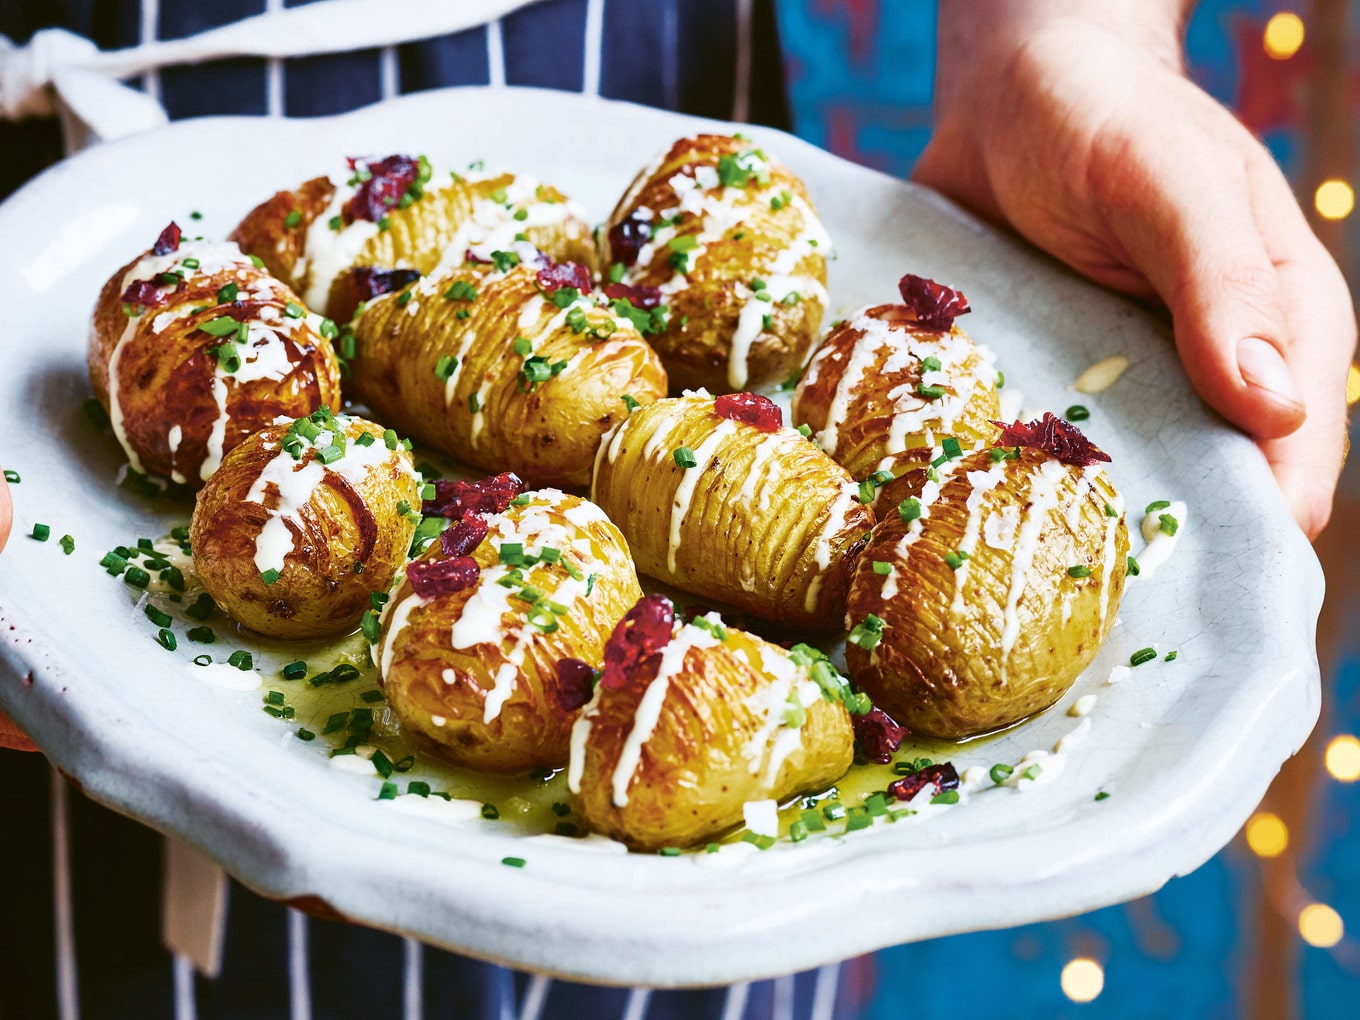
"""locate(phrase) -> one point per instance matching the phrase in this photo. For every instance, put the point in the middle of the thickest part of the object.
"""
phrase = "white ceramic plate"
(1185, 748)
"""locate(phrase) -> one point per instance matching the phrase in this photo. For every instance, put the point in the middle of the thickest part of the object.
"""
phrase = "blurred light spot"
(1284, 35)
(1083, 979)
(1343, 753)
(1320, 925)
(1266, 834)
(1353, 384)
(1334, 199)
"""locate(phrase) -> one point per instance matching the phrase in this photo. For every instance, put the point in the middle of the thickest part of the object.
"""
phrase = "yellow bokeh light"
(1320, 925)
(1334, 199)
(1267, 835)
(1353, 384)
(1343, 758)
(1082, 979)
(1284, 35)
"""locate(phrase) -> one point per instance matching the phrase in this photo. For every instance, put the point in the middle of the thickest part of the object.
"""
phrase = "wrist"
(978, 39)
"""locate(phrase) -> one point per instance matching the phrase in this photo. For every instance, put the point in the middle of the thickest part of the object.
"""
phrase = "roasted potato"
(484, 647)
(881, 389)
(193, 348)
(728, 239)
(510, 366)
(400, 213)
(303, 522)
(749, 514)
(691, 721)
(979, 601)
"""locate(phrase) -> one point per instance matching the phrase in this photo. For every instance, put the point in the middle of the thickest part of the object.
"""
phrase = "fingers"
(12, 737)
(1182, 209)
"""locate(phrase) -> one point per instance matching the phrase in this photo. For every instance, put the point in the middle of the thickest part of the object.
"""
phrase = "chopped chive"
(1142, 655)
(202, 660)
(1132, 568)
(306, 734)
(11, 476)
(157, 617)
(1001, 772)
(228, 294)
(1032, 772)
(669, 851)
(475, 403)
(805, 430)
(945, 797)
(882, 568)
(336, 722)
(867, 633)
(909, 509)
(241, 659)
(270, 576)
(1169, 656)
(684, 458)
(388, 791)
(68, 544)
(202, 606)
(1110, 511)
(274, 698)
(294, 670)
(1167, 524)
(1102, 795)
(372, 697)
(513, 862)
(955, 558)
(930, 363)
(952, 448)
(41, 532)
(166, 639)
(1077, 412)
(1160, 504)
(293, 218)
(490, 813)
(1080, 570)
(930, 392)
(382, 763)
(137, 577)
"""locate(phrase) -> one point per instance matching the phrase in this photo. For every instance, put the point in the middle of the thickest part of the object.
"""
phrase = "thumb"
(1185, 220)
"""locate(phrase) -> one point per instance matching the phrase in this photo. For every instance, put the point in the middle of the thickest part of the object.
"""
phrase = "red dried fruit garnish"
(464, 536)
(1055, 437)
(879, 734)
(144, 293)
(371, 282)
(942, 777)
(642, 296)
(435, 577)
(626, 238)
(639, 636)
(487, 496)
(557, 275)
(378, 195)
(751, 408)
(934, 305)
(168, 240)
(573, 686)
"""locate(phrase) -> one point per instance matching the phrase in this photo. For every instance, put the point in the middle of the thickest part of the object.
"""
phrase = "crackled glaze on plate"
(1184, 748)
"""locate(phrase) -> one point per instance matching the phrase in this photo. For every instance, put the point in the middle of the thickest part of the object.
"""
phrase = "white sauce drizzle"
(1160, 545)
(1043, 497)
(689, 478)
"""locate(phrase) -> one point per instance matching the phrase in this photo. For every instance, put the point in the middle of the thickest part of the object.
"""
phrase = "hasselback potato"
(884, 384)
(717, 498)
(977, 602)
(401, 213)
(691, 721)
(194, 347)
(303, 521)
(507, 366)
(727, 239)
(483, 649)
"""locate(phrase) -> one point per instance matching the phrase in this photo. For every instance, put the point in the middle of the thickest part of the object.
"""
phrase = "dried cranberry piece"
(472, 256)
(573, 686)
(557, 275)
(388, 181)
(751, 408)
(942, 777)
(627, 237)
(642, 296)
(879, 734)
(487, 496)
(464, 536)
(168, 240)
(1054, 436)
(371, 282)
(435, 577)
(639, 636)
(935, 305)
(142, 292)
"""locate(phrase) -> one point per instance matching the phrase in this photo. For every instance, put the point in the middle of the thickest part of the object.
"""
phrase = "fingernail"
(1262, 366)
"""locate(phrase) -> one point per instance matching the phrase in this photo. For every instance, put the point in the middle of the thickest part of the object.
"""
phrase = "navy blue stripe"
(545, 45)
(707, 56)
(449, 60)
(330, 83)
(254, 978)
(634, 58)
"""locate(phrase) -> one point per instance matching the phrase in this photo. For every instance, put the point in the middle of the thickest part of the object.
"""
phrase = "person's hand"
(1072, 121)
(10, 735)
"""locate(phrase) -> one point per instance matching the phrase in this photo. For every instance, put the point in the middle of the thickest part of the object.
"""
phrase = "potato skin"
(347, 538)
(954, 664)
(860, 392)
(547, 434)
(455, 212)
(694, 773)
(770, 524)
(441, 693)
(167, 377)
(705, 343)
